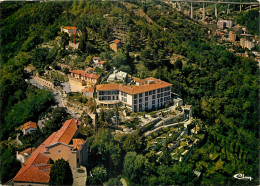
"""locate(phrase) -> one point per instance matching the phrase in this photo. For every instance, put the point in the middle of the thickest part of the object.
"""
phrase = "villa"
(60, 144)
(83, 78)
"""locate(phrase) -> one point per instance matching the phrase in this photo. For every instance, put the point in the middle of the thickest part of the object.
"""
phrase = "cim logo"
(242, 177)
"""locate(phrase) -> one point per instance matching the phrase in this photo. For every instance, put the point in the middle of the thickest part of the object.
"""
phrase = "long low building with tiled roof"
(83, 77)
(149, 93)
(60, 144)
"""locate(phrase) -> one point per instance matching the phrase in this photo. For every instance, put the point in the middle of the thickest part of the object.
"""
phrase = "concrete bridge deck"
(214, 2)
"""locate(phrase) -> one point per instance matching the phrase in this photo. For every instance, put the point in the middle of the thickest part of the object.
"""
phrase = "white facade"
(138, 102)
(29, 130)
(178, 102)
(20, 158)
(108, 95)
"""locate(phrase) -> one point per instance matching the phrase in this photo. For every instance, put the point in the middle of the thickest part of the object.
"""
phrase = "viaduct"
(214, 2)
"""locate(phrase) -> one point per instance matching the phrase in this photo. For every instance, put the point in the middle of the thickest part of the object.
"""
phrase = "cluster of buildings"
(246, 40)
(64, 144)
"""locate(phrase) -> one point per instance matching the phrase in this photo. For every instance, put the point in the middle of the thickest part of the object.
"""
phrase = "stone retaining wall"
(43, 82)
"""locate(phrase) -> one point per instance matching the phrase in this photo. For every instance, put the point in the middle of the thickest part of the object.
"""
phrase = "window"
(140, 100)
(153, 91)
(146, 98)
(161, 99)
(158, 95)
(135, 101)
(158, 90)
(140, 105)
(161, 94)
(166, 93)
(146, 103)
(150, 92)
(140, 95)
(153, 102)
(153, 96)
(135, 107)
(135, 96)
(146, 93)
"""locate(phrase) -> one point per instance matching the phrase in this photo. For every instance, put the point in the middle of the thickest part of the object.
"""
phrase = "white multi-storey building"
(151, 93)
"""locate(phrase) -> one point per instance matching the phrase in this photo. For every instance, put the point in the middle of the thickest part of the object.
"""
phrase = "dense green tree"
(61, 173)
(9, 164)
(134, 167)
(99, 174)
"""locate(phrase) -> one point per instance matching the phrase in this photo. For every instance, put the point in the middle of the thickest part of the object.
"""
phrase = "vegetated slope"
(223, 90)
(222, 87)
(249, 19)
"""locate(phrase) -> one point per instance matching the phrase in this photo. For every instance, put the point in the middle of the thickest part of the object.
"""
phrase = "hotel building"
(147, 94)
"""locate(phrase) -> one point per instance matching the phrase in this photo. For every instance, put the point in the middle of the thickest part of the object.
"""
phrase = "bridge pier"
(191, 11)
(216, 11)
(203, 12)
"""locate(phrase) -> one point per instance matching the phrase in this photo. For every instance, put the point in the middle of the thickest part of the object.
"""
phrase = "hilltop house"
(29, 127)
(69, 30)
(153, 93)
(96, 60)
(60, 144)
(100, 64)
(115, 44)
(24, 155)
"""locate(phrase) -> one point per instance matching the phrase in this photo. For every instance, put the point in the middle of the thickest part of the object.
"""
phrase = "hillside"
(222, 87)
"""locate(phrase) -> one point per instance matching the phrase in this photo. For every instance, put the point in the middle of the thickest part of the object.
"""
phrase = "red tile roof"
(40, 159)
(88, 89)
(27, 151)
(89, 68)
(138, 80)
(30, 173)
(116, 41)
(29, 125)
(113, 86)
(150, 84)
(66, 132)
(101, 62)
(85, 74)
(34, 174)
(77, 143)
(69, 27)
